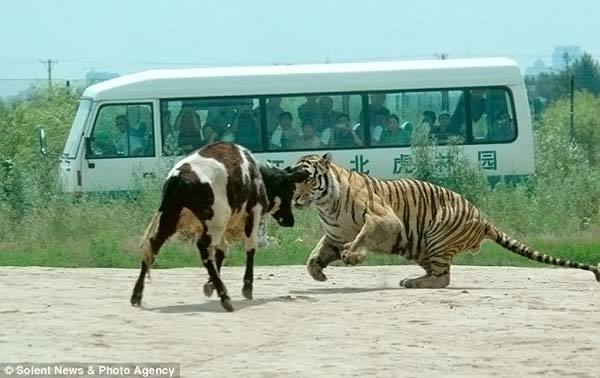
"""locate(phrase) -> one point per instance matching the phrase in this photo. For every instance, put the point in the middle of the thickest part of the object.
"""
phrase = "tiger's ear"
(327, 158)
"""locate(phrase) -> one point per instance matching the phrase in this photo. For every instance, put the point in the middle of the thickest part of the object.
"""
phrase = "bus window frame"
(262, 100)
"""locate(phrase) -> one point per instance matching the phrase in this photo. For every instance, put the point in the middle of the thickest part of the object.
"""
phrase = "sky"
(125, 36)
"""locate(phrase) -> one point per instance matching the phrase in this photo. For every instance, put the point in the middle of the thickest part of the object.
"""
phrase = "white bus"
(136, 126)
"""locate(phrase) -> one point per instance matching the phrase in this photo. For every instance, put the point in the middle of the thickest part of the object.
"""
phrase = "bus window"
(394, 116)
(316, 121)
(500, 122)
(201, 121)
(378, 114)
(123, 131)
(491, 115)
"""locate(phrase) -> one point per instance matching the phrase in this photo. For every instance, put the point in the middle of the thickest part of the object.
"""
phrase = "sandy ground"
(490, 322)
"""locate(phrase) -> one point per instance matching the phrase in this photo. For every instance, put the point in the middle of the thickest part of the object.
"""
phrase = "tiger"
(415, 219)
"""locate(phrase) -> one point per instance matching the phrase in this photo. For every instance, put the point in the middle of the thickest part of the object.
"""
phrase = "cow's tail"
(170, 206)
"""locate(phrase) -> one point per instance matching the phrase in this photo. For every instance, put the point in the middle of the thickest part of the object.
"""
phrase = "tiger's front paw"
(315, 270)
(353, 258)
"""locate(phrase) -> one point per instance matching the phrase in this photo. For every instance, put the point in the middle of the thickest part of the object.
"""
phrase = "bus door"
(120, 148)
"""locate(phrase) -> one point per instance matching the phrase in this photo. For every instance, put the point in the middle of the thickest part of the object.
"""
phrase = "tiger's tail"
(146, 252)
(521, 249)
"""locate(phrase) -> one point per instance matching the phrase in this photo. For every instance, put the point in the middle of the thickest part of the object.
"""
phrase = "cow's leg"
(204, 245)
(162, 226)
(220, 252)
(250, 244)
(249, 274)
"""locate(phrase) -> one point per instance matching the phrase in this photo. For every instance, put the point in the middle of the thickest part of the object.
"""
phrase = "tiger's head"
(316, 186)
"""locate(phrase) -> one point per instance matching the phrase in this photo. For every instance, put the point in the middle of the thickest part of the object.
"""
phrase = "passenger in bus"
(189, 124)
(342, 134)
(480, 128)
(326, 117)
(396, 135)
(444, 130)
(209, 134)
(379, 121)
(309, 110)
(376, 101)
(170, 143)
(478, 107)
(502, 129)
(127, 142)
(230, 132)
(284, 135)
(247, 131)
(428, 121)
(309, 139)
(273, 109)
(219, 117)
(167, 125)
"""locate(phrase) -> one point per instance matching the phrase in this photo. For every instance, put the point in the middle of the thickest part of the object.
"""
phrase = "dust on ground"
(491, 321)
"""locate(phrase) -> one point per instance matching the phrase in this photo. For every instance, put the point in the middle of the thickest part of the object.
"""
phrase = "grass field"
(110, 239)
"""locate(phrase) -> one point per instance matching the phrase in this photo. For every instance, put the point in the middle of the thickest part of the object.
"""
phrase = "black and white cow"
(219, 193)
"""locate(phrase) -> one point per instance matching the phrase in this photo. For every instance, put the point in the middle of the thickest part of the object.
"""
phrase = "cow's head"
(280, 185)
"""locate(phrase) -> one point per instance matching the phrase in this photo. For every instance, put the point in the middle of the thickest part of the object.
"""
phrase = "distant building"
(565, 54)
(537, 68)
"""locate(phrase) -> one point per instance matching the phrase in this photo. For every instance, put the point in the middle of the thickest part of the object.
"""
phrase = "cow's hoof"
(136, 299)
(247, 291)
(208, 288)
(226, 303)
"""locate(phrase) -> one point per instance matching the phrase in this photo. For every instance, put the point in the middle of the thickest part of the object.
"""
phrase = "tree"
(549, 87)
(555, 131)
(586, 72)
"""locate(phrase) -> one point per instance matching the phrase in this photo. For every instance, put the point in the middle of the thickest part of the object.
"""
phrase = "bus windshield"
(74, 138)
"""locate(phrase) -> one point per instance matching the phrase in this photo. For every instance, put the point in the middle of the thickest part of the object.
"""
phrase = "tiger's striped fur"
(416, 219)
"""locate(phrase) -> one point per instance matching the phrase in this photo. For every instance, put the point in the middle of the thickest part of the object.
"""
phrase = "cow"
(219, 193)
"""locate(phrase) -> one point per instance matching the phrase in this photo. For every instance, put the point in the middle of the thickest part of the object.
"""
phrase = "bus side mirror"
(42, 140)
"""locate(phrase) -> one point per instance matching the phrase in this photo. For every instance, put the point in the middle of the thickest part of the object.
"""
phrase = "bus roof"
(307, 78)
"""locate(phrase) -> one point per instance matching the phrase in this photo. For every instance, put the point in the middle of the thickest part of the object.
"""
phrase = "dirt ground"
(490, 322)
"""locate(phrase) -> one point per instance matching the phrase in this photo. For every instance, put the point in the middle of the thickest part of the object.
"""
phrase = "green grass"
(71, 238)
(98, 231)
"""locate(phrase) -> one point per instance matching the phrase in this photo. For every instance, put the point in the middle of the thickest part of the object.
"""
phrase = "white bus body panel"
(499, 159)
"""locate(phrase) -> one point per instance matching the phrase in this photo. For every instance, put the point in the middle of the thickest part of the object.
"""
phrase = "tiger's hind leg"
(376, 230)
(323, 254)
(437, 275)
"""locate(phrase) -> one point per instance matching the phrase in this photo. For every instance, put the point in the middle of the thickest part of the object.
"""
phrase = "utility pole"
(567, 60)
(572, 110)
(48, 63)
